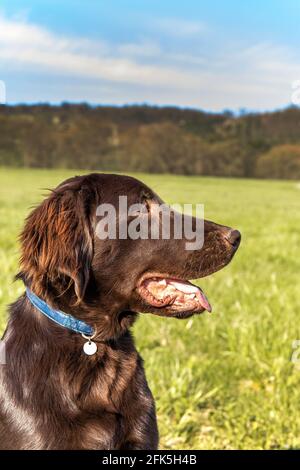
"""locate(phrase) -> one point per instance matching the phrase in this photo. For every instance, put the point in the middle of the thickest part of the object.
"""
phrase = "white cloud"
(258, 76)
(143, 49)
(33, 46)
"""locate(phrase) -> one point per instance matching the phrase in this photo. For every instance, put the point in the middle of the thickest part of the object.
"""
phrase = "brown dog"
(53, 395)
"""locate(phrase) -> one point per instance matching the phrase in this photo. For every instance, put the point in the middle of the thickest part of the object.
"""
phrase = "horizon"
(235, 113)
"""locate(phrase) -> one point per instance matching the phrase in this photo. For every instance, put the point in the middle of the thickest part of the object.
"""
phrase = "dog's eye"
(138, 210)
(146, 199)
(147, 205)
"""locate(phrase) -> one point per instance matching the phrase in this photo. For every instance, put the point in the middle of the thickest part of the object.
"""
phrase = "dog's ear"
(57, 243)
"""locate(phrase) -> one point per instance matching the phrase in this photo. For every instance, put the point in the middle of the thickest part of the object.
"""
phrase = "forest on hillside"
(151, 139)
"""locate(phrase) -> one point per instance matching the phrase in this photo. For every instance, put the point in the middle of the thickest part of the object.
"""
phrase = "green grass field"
(224, 380)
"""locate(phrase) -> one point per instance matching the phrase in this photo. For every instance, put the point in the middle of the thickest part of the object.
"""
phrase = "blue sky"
(212, 54)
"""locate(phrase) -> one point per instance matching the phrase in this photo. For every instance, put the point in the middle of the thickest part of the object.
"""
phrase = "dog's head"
(66, 260)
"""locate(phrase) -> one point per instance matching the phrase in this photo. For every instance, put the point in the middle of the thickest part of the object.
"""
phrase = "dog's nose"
(234, 238)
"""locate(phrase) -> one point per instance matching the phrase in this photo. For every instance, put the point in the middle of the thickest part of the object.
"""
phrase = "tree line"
(151, 139)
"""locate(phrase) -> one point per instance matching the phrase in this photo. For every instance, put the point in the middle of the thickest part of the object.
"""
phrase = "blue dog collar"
(61, 318)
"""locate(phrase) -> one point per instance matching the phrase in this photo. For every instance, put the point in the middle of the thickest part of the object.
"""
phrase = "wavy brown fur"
(53, 396)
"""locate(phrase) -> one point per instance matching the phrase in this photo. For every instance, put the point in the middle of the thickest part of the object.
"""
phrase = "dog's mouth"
(173, 295)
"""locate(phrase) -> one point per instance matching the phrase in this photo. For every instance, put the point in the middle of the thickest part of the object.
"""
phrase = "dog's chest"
(103, 432)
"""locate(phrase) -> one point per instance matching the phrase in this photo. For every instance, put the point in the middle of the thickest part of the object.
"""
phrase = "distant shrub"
(223, 159)
(282, 161)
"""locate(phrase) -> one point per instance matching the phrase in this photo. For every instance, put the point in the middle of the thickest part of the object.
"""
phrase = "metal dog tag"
(90, 348)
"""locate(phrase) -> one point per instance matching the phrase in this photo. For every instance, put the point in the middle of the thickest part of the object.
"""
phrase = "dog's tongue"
(188, 288)
(182, 293)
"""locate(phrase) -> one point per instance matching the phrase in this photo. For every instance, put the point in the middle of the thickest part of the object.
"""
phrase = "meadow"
(223, 380)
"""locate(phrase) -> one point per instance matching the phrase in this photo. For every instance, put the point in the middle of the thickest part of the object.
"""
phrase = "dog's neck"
(59, 317)
(39, 333)
(108, 320)
(111, 319)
